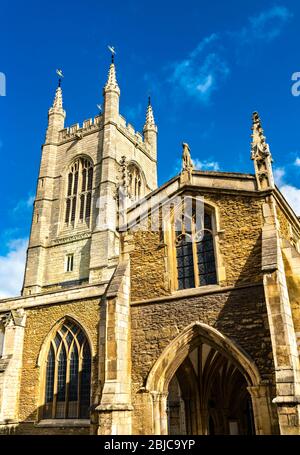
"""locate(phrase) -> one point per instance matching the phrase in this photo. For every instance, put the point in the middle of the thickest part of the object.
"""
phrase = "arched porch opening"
(208, 395)
(203, 383)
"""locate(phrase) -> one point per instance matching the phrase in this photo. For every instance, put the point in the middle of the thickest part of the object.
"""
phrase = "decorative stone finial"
(261, 155)
(112, 84)
(58, 100)
(56, 117)
(150, 122)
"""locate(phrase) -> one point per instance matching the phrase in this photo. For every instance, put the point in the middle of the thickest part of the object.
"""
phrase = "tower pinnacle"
(58, 100)
(150, 122)
(112, 84)
(56, 117)
(150, 130)
(261, 155)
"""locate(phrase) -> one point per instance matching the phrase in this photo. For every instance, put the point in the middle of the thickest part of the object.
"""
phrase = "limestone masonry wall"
(39, 323)
(240, 248)
(239, 314)
(240, 245)
(148, 265)
(283, 223)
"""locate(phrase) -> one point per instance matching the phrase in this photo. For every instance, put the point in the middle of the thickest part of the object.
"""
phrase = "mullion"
(206, 260)
(187, 270)
(70, 381)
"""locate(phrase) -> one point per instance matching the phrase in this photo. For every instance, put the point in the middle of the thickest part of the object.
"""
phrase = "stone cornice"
(71, 238)
(195, 292)
(54, 297)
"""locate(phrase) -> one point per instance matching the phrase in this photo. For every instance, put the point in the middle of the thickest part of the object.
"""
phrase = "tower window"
(68, 375)
(79, 192)
(195, 255)
(69, 262)
(135, 182)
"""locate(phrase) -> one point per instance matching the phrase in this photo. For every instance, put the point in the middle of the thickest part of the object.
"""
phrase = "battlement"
(129, 130)
(94, 124)
(75, 131)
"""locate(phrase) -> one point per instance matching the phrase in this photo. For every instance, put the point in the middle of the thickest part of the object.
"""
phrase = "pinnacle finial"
(56, 117)
(112, 83)
(58, 100)
(259, 145)
(261, 155)
(150, 122)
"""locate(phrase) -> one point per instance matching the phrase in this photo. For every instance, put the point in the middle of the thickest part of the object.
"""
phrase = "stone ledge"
(205, 290)
(9, 422)
(4, 361)
(54, 297)
(114, 407)
(60, 423)
(292, 399)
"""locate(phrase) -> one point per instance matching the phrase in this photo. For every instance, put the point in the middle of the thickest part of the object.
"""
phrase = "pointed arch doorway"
(208, 395)
(201, 384)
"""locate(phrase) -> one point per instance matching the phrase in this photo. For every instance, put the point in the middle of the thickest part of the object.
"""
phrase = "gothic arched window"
(68, 374)
(135, 182)
(195, 255)
(79, 191)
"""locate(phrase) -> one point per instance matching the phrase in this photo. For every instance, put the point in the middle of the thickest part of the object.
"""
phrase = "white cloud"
(265, 26)
(12, 268)
(290, 192)
(269, 24)
(279, 174)
(204, 69)
(24, 204)
(206, 165)
(297, 161)
(201, 73)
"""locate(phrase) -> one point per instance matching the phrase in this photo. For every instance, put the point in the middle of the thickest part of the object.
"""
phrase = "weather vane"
(113, 52)
(60, 75)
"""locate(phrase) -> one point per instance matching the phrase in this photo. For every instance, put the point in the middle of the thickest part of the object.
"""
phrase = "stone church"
(138, 320)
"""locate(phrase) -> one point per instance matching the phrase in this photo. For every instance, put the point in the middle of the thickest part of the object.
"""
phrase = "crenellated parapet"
(91, 125)
(77, 131)
(129, 131)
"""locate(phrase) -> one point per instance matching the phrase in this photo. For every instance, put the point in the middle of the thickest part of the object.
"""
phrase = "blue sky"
(207, 66)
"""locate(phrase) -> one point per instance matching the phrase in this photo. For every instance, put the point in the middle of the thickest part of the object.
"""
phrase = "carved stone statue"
(187, 165)
(186, 157)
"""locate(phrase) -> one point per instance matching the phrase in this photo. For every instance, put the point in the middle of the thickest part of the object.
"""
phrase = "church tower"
(74, 238)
